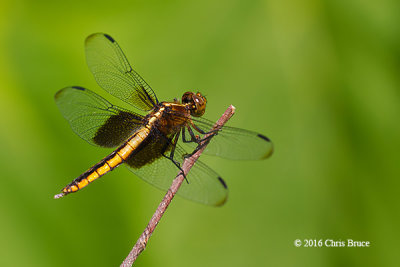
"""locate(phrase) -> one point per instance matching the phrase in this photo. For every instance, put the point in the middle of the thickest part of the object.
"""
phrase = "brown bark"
(186, 166)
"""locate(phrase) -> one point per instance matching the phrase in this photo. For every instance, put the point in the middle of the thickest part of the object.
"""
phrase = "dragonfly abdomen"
(107, 164)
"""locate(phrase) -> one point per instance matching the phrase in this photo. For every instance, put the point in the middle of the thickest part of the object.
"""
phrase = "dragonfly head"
(196, 103)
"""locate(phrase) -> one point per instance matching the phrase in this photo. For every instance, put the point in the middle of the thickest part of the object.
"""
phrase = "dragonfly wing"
(233, 143)
(114, 74)
(95, 119)
(205, 185)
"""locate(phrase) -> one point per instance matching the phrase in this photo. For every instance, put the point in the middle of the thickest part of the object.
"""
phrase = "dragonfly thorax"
(195, 102)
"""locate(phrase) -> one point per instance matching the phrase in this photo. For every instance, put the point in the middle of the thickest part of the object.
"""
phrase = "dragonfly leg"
(204, 140)
(200, 145)
(201, 131)
(192, 136)
(200, 141)
(171, 154)
(211, 132)
(197, 128)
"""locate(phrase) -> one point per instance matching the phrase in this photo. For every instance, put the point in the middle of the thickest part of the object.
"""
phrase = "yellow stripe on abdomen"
(108, 163)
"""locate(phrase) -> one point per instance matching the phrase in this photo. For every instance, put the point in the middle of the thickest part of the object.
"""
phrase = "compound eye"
(187, 97)
(200, 104)
(196, 103)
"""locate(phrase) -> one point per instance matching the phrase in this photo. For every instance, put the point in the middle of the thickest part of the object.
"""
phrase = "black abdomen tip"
(109, 38)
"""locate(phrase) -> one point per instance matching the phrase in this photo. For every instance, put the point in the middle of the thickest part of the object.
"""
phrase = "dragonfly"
(153, 145)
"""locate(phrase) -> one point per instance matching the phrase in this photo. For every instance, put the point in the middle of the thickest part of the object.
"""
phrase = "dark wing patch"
(116, 129)
(205, 185)
(149, 150)
(95, 119)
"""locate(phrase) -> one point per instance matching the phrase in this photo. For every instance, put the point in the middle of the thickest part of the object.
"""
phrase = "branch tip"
(177, 182)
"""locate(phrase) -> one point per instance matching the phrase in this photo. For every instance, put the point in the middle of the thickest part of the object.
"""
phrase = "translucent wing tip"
(269, 153)
(58, 94)
(222, 202)
(271, 150)
(66, 89)
(97, 35)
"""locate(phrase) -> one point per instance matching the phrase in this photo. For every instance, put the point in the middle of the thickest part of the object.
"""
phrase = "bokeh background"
(320, 78)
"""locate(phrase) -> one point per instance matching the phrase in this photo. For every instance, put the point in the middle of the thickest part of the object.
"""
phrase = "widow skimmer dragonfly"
(150, 145)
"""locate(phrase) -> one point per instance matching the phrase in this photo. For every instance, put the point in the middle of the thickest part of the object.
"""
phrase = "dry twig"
(186, 166)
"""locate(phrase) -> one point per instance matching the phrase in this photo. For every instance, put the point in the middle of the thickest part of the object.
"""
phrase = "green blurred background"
(320, 78)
